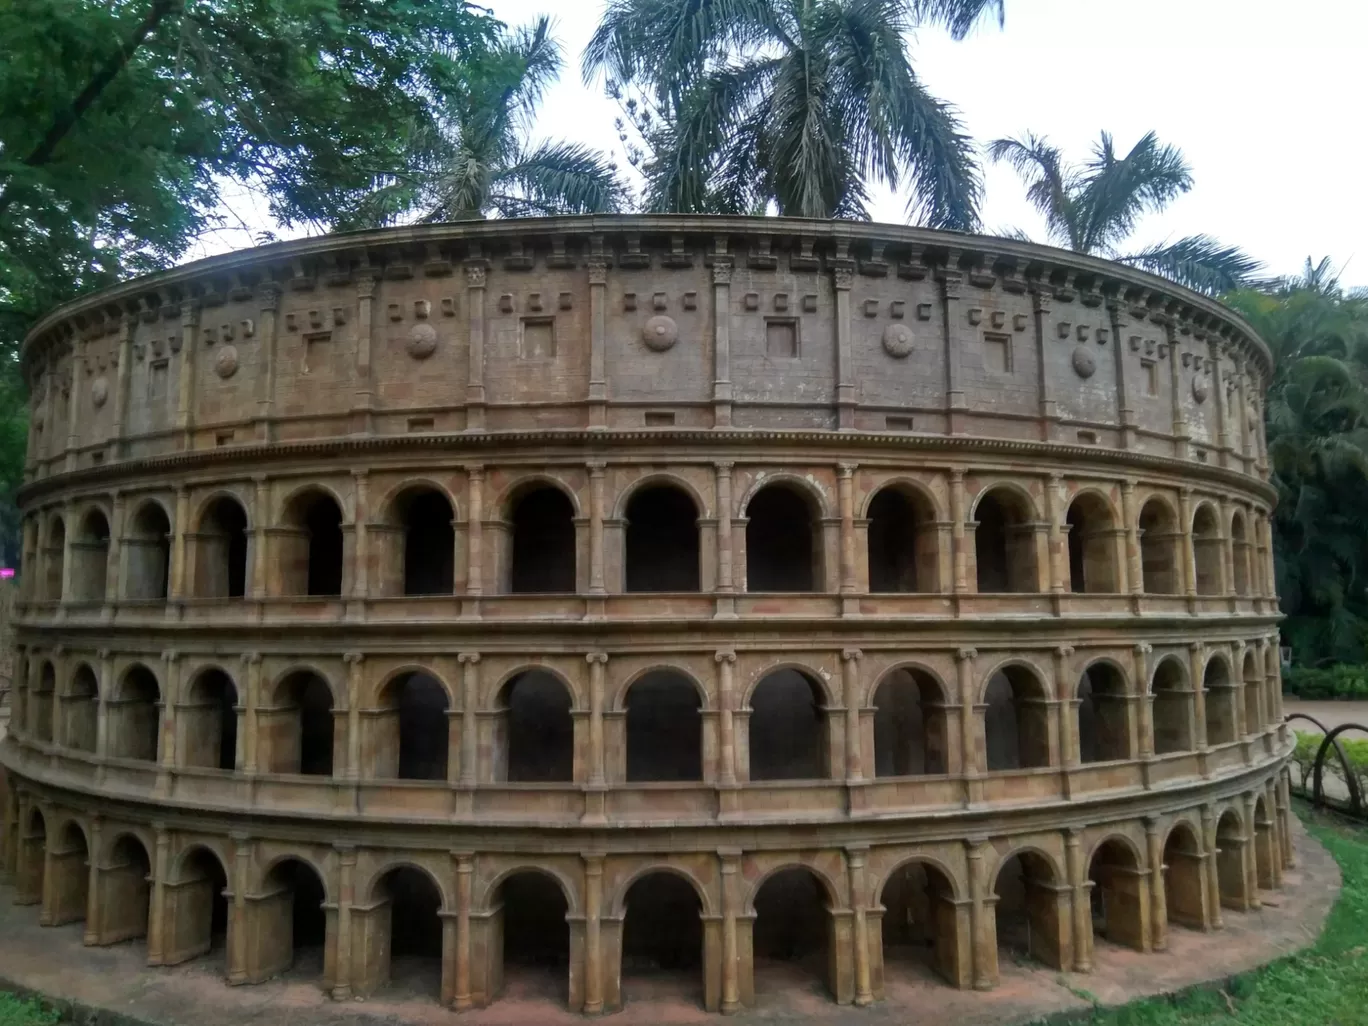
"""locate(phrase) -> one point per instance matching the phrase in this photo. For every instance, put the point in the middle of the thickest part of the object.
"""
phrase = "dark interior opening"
(222, 572)
(898, 562)
(787, 729)
(543, 543)
(1004, 545)
(538, 742)
(663, 930)
(791, 917)
(322, 522)
(1103, 729)
(149, 553)
(423, 734)
(909, 725)
(781, 542)
(664, 729)
(535, 929)
(429, 543)
(662, 541)
(1016, 721)
(311, 700)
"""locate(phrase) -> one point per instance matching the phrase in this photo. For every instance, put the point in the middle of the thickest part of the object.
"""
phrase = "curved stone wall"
(638, 592)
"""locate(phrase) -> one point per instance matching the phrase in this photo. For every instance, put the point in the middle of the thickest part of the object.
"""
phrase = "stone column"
(361, 548)
(1134, 564)
(73, 390)
(843, 278)
(726, 699)
(593, 935)
(68, 563)
(722, 385)
(185, 402)
(470, 703)
(1289, 852)
(958, 341)
(731, 906)
(356, 669)
(475, 477)
(237, 917)
(363, 401)
(475, 311)
(261, 520)
(1154, 847)
(123, 370)
(1188, 556)
(268, 296)
(170, 699)
(101, 709)
(972, 768)
(1140, 663)
(726, 573)
(1251, 846)
(596, 474)
(1069, 753)
(850, 681)
(114, 577)
(598, 341)
(957, 542)
(845, 489)
(93, 905)
(465, 869)
(1041, 302)
(982, 932)
(156, 918)
(1081, 904)
(1197, 674)
(855, 866)
(346, 895)
(594, 802)
(1055, 510)
(1213, 880)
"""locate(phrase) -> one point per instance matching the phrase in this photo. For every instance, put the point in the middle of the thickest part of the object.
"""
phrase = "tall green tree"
(476, 157)
(1095, 207)
(794, 103)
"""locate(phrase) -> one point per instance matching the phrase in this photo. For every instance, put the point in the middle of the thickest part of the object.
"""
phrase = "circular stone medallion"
(99, 391)
(1084, 363)
(1199, 390)
(897, 341)
(226, 362)
(660, 333)
(422, 341)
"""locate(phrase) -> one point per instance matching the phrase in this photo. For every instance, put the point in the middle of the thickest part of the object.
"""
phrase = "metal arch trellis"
(1331, 739)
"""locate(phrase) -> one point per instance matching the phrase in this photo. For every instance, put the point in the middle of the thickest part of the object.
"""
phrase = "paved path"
(1332, 714)
(115, 980)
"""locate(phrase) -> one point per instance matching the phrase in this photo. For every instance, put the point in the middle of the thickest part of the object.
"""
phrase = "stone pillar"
(356, 669)
(268, 296)
(958, 342)
(465, 868)
(68, 563)
(73, 390)
(123, 370)
(957, 541)
(726, 700)
(251, 700)
(1289, 852)
(1251, 844)
(1197, 673)
(845, 489)
(1140, 670)
(597, 661)
(850, 686)
(855, 867)
(1188, 556)
(1276, 827)
(475, 477)
(726, 572)
(1066, 709)
(361, 548)
(1055, 510)
(722, 385)
(593, 933)
(470, 703)
(114, 577)
(475, 271)
(156, 919)
(185, 402)
(1154, 848)
(346, 896)
(1213, 879)
(102, 709)
(843, 278)
(170, 699)
(237, 912)
(1081, 903)
(1135, 567)
(363, 401)
(596, 474)
(982, 929)
(730, 859)
(598, 338)
(94, 906)
(972, 768)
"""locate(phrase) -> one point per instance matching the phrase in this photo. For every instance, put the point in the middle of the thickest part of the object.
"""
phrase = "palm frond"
(1050, 183)
(1116, 191)
(958, 16)
(1199, 262)
(557, 178)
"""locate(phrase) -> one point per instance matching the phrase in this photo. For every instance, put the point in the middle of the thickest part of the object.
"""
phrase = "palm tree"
(479, 161)
(1094, 208)
(795, 103)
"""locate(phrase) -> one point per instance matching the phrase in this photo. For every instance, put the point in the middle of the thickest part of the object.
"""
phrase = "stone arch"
(309, 542)
(661, 546)
(658, 479)
(90, 556)
(1027, 881)
(1103, 694)
(68, 869)
(54, 557)
(911, 729)
(1232, 881)
(618, 903)
(296, 730)
(147, 552)
(1184, 876)
(664, 727)
(416, 540)
(1005, 540)
(1253, 692)
(787, 726)
(1173, 711)
(403, 923)
(80, 709)
(784, 543)
(409, 727)
(42, 703)
(197, 905)
(792, 905)
(534, 738)
(1222, 708)
(919, 921)
(662, 932)
(290, 918)
(1120, 892)
(1206, 548)
(903, 539)
(134, 715)
(1092, 521)
(1241, 549)
(208, 721)
(1016, 717)
(220, 547)
(33, 863)
(532, 906)
(1159, 547)
(125, 889)
(540, 514)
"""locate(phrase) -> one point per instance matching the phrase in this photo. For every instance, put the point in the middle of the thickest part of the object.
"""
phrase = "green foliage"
(1323, 986)
(17, 1011)
(1343, 680)
(1095, 207)
(794, 103)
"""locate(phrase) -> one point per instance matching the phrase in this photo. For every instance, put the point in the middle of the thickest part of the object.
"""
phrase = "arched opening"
(1240, 545)
(1028, 921)
(662, 540)
(221, 550)
(1230, 869)
(543, 559)
(1172, 710)
(1264, 845)
(147, 553)
(662, 939)
(536, 937)
(1222, 719)
(783, 544)
(427, 521)
(134, 716)
(1159, 548)
(69, 864)
(41, 703)
(33, 862)
(82, 707)
(920, 924)
(788, 731)
(1103, 724)
(297, 729)
(664, 728)
(791, 933)
(1118, 896)
(404, 930)
(1092, 545)
(90, 558)
(903, 542)
(209, 721)
(126, 887)
(1253, 694)
(910, 730)
(412, 738)
(1183, 878)
(1206, 550)
(535, 737)
(1016, 720)
(293, 923)
(54, 559)
(1005, 543)
(197, 909)
(309, 543)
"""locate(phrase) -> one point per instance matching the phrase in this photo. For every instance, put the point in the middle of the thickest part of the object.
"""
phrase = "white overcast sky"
(1266, 99)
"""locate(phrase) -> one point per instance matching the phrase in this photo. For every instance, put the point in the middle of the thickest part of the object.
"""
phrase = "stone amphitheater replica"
(588, 597)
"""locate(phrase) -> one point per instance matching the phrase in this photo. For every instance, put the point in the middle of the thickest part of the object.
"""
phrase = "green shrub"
(1342, 681)
(17, 1011)
(1355, 750)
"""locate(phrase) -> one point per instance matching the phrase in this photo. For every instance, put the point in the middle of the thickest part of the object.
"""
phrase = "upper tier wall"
(624, 322)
